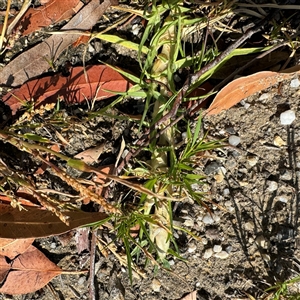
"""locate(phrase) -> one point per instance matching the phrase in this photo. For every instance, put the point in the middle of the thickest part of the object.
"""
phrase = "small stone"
(189, 223)
(217, 248)
(156, 285)
(264, 96)
(192, 248)
(230, 209)
(249, 226)
(287, 175)
(171, 262)
(252, 160)
(278, 141)
(226, 192)
(261, 242)
(207, 219)
(216, 218)
(212, 168)
(287, 117)
(204, 241)
(247, 105)
(222, 255)
(282, 199)
(135, 29)
(272, 186)
(208, 253)
(230, 130)
(234, 140)
(81, 280)
(295, 83)
(229, 249)
(53, 245)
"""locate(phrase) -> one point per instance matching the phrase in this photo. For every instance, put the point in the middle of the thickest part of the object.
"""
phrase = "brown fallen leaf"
(27, 273)
(53, 11)
(72, 89)
(38, 59)
(13, 247)
(91, 155)
(33, 222)
(244, 87)
(190, 296)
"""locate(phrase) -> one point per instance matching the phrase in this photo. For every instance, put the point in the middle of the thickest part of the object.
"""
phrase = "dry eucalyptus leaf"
(13, 247)
(33, 222)
(26, 273)
(244, 87)
(35, 61)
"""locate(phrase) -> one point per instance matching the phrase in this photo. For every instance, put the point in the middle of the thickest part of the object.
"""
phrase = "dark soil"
(251, 240)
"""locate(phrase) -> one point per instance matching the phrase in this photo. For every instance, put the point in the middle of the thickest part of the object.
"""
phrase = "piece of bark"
(35, 61)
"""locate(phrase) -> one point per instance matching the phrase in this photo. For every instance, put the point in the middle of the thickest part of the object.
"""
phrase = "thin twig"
(92, 291)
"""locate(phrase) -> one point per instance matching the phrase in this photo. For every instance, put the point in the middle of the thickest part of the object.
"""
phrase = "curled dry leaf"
(26, 273)
(72, 89)
(244, 87)
(13, 247)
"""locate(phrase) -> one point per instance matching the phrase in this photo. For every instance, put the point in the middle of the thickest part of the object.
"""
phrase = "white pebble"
(53, 245)
(247, 105)
(135, 29)
(287, 117)
(81, 280)
(234, 140)
(171, 262)
(272, 186)
(207, 219)
(217, 218)
(222, 255)
(230, 208)
(295, 83)
(282, 199)
(229, 249)
(226, 192)
(208, 253)
(192, 248)
(264, 96)
(217, 248)
(189, 223)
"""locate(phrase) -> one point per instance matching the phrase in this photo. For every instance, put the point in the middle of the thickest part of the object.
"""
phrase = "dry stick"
(92, 292)
(23, 10)
(189, 81)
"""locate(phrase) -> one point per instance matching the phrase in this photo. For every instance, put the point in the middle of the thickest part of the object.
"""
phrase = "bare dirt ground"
(250, 242)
